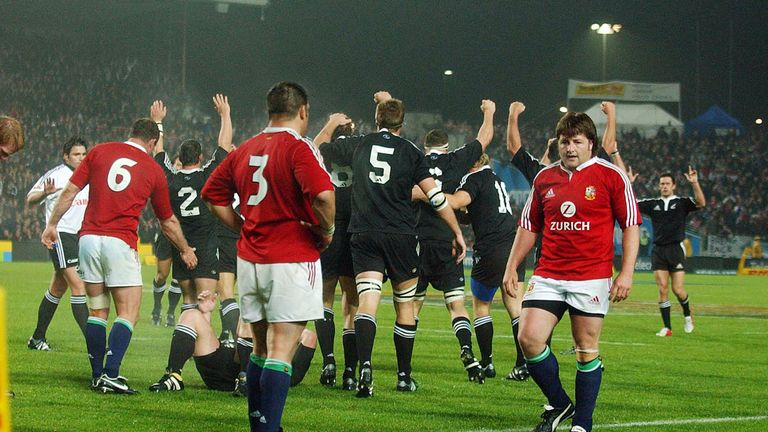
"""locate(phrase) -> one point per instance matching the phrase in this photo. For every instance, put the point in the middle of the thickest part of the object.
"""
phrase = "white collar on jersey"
(133, 144)
(438, 150)
(273, 129)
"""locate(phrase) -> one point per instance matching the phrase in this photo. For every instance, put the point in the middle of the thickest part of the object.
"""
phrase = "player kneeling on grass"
(219, 366)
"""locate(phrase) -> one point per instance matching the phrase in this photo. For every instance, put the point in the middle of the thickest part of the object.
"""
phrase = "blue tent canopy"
(714, 120)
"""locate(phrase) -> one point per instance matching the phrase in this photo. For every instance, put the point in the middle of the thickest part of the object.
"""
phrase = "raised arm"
(35, 197)
(439, 203)
(514, 142)
(693, 178)
(610, 145)
(221, 103)
(63, 204)
(334, 120)
(157, 113)
(485, 134)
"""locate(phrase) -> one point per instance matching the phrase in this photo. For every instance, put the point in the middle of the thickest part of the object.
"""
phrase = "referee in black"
(668, 214)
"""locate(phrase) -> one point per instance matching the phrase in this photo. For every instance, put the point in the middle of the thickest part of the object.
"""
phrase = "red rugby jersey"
(122, 176)
(576, 212)
(277, 175)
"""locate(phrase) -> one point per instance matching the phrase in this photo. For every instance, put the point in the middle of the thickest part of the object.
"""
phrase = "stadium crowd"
(56, 99)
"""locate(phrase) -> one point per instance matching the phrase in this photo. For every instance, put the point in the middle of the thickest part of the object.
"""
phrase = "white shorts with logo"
(590, 296)
(280, 292)
(109, 260)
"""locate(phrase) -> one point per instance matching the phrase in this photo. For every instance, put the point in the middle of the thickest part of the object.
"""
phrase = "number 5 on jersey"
(380, 164)
(260, 162)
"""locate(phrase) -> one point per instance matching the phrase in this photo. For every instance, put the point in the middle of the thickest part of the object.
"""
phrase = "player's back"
(122, 176)
(489, 211)
(385, 167)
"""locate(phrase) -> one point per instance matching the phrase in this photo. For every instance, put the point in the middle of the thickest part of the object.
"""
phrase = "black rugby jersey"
(342, 178)
(447, 170)
(668, 217)
(184, 186)
(385, 167)
(489, 211)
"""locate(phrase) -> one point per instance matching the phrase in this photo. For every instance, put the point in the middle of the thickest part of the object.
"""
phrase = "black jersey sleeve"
(340, 150)
(467, 155)
(165, 162)
(527, 164)
(471, 184)
(602, 154)
(422, 167)
(218, 156)
(690, 204)
(646, 205)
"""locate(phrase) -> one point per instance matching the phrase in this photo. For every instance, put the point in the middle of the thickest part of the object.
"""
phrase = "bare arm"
(610, 145)
(514, 142)
(172, 230)
(524, 241)
(693, 177)
(36, 197)
(630, 243)
(227, 216)
(157, 113)
(446, 214)
(221, 103)
(324, 208)
(334, 120)
(459, 200)
(418, 195)
(63, 204)
(485, 134)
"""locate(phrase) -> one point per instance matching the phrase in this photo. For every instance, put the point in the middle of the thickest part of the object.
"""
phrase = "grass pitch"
(713, 379)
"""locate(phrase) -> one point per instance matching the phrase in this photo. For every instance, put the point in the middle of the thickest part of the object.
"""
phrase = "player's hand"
(381, 96)
(459, 249)
(621, 287)
(510, 281)
(157, 111)
(631, 174)
(516, 108)
(488, 106)
(49, 236)
(609, 108)
(338, 119)
(221, 103)
(189, 258)
(49, 187)
(692, 175)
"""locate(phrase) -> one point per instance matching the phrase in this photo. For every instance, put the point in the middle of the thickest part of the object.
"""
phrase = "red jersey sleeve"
(220, 188)
(82, 172)
(623, 201)
(532, 217)
(309, 171)
(161, 200)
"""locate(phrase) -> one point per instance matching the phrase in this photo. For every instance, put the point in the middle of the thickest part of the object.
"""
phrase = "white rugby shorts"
(280, 292)
(590, 296)
(109, 260)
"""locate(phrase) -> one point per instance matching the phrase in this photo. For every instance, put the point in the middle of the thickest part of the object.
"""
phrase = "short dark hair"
(436, 138)
(343, 130)
(553, 153)
(670, 175)
(145, 129)
(390, 114)
(285, 98)
(574, 123)
(73, 142)
(190, 151)
(11, 132)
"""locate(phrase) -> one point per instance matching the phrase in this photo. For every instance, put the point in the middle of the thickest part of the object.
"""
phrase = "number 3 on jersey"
(118, 170)
(260, 162)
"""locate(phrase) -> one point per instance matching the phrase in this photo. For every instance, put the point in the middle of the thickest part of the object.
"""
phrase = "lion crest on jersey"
(590, 193)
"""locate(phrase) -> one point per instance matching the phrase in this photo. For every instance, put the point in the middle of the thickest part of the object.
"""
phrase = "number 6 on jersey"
(260, 162)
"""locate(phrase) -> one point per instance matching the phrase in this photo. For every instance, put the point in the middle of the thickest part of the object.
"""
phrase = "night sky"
(343, 51)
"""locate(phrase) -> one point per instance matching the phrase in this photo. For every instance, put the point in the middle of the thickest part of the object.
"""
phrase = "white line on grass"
(651, 423)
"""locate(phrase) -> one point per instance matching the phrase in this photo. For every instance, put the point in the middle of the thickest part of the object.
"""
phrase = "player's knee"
(453, 295)
(367, 285)
(405, 295)
(98, 302)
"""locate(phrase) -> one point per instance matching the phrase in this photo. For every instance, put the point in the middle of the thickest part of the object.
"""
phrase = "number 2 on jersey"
(184, 207)
(260, 162)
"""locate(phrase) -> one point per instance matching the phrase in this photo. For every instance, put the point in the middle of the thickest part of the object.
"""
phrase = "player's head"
(145, 130)
(190, 152)
(390, 114)
(577, 139)
(553, 149)
(74, 151)
(343, 130)
(481, 162)
(436, 139)
(667, 184)
(287, 101)
(11, 137)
